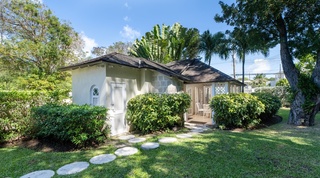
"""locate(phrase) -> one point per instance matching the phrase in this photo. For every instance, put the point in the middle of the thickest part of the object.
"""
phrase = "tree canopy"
(211, 44)
(34, 40)
(295, 26)
(119, 47)
(165, 44)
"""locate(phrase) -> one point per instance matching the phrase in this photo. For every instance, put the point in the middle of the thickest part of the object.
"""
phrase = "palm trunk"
(243, 62)
(234, 63)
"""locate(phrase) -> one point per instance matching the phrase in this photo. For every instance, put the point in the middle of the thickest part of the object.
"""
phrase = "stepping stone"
(39, 174)
(137, 140)
(104, 158)
(126, 151)
(73, 168)
(184, 135)
(126, 137)
(150, 145)
(197, 130)
(168, 140)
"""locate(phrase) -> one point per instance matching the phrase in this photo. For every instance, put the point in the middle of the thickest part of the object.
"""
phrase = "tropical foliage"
(260, 80)
(165, 44)
(211, 44)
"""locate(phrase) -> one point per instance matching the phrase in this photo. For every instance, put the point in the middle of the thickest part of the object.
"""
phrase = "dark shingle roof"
(199, 72)
(190, 71)
(129, 61)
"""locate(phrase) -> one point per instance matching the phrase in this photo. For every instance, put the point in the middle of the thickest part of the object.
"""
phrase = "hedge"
(282, 92)
(80, 125)
(15, 112)
(236, 110)
(272, 105)
(155, 112)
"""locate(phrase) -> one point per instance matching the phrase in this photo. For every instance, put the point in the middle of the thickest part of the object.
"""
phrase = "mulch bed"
(50, 145)
(44, 145)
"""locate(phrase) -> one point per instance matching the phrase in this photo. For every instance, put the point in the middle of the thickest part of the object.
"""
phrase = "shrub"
(282, 92)
(15, 112)
(81, 125)
(236, 110)
(272, 105)
(154, 112)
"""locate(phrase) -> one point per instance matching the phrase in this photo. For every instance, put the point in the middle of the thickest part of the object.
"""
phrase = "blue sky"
(103, 22)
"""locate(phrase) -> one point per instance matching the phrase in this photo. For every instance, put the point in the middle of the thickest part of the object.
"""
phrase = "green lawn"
(280, 150)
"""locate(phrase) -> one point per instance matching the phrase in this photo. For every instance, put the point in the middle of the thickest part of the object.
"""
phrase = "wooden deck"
(199, 119)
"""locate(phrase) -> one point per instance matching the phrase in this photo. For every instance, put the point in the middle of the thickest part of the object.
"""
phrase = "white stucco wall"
(106, 77)
(82, 81)
(122, 75)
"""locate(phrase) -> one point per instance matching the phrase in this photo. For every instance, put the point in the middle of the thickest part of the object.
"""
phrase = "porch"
(200, 120)
(202, 93)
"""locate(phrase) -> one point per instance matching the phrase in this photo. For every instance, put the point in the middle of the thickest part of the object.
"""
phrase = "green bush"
(236, 110)
(272, 105)
(282, 92)
(15, 112)
(81, 125)
(154, 112)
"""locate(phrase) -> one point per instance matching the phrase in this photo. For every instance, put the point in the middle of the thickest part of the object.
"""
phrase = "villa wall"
(161, 82)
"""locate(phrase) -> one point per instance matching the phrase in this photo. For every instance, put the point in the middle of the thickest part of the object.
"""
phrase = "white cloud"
(126, 5)
(126, 18)
(260, 66)
(89, 43)
(129, 33)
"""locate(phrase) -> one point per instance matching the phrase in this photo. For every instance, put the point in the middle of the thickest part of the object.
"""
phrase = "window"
(220, 88)
(94, 92)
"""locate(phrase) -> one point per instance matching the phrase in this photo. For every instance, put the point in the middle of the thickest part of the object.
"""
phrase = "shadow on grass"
(259, 153)
(217, 154)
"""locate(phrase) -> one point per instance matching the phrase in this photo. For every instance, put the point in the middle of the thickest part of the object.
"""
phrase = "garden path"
(77, 167)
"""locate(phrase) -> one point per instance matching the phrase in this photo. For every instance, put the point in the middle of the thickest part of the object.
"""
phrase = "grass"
(280, 150)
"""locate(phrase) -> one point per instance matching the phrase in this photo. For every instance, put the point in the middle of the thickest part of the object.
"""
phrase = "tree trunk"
(234, 63)
(297, 115)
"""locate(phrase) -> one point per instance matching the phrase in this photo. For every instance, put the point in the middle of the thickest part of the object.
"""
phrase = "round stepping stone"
(167, 140)
(126, 137)
(39, 174)
(197, 130)
(137, 140)
(73, 168)
(126, 151)
(184, 135)
(104, 158)
(150, 145)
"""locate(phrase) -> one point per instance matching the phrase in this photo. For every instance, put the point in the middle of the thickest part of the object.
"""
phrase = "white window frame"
(94, 97)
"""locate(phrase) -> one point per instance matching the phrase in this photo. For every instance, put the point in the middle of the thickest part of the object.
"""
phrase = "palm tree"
(167, 44)
(244, 42)
(211, 44)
